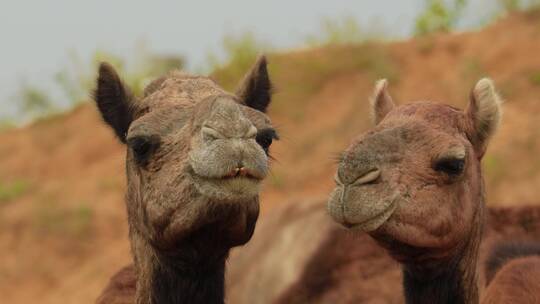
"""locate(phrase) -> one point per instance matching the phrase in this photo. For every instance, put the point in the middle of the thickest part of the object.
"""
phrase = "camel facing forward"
(196, 156)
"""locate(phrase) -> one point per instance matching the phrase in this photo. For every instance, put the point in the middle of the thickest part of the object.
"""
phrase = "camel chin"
(233, 189)
(376, 222)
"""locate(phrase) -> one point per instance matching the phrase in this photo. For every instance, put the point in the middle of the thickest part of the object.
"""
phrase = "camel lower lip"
(227, 189)
(250, 177)
(241, 172)
(225, 180)
(374, 222)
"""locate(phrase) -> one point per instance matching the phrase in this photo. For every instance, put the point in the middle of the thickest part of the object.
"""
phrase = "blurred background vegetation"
(76, 80)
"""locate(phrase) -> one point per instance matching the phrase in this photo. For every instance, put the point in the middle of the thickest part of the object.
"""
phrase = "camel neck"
(453, 285)
(449, 281)
(174, 286)
(174, 279)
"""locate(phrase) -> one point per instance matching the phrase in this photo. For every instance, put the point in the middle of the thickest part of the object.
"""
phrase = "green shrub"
(307, 73)
(52, 219)
(534, 78)
(494, 168)
(439, 16)
(240, 52)
(13, 190)
(344, 30)
(31, 102)
(77, 80)
(508, 6)
(6, 124)
(471, 71)
(277, 180)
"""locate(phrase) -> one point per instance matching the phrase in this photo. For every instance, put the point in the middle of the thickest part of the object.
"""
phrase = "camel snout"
(350, 178)
(367, 178)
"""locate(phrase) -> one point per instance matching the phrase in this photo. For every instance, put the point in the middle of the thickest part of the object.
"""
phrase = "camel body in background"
(300, 255)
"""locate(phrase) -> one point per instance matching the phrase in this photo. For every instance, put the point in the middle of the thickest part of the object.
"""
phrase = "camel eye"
(450, 166)
(265, 138)
(143, 147)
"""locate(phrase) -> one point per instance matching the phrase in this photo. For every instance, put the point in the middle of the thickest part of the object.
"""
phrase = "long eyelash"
(337, 157)
(272, 158)
(275, 134)
(272, 132)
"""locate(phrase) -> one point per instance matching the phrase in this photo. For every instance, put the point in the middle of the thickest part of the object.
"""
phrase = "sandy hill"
(63, 229)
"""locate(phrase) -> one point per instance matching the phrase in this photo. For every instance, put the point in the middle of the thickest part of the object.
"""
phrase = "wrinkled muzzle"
(229, 169)
(227, 162)
(364, 197)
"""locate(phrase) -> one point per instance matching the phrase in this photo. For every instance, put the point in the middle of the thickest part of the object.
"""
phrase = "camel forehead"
(170, 101)
(162, 121)
(414, 126)
(432, 115)
(223, 112)
(226, 116)
(180, 88)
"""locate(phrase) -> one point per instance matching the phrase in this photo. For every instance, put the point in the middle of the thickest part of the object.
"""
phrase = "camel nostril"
(369, 177)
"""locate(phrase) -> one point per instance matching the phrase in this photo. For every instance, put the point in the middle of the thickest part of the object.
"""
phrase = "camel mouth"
(236, 174)
(374, 222)
(230, 187)
(242, 173)
(362, 209)
(229, 180)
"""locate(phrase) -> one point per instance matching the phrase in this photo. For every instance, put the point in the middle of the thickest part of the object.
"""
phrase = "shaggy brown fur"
(195, 158)
(121, 288)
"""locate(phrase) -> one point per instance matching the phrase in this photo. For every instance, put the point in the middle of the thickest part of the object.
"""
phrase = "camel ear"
(381, 101)
(256, 88)
(485, 113)
(114, 101)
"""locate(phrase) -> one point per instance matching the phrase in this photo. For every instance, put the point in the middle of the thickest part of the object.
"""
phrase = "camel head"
(196, 155)
(414, 181)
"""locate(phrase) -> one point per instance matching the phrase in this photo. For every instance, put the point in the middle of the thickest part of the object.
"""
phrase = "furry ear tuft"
(114, 101)
(381, 101)
(485, 112)
(256, 88)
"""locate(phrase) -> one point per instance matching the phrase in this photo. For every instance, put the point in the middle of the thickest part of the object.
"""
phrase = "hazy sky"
(37, 36)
